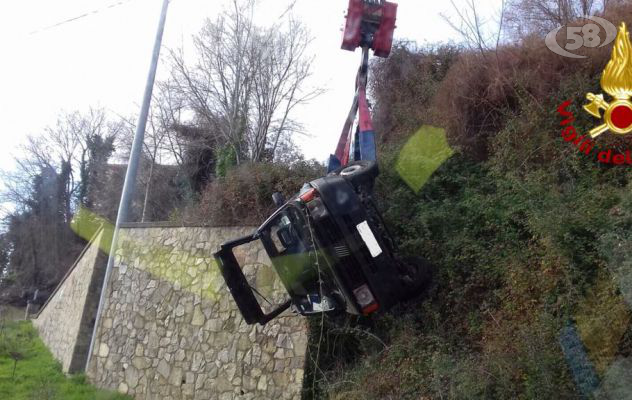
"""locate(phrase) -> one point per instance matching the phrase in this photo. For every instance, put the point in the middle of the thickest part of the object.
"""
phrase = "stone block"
(198, 318)
(284, 341)
(104, 350)
(163, 368)
(175, 377)
(262, 385)
(140, 362)
(132, 376)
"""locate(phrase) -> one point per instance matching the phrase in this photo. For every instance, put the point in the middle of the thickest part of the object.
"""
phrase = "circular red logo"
(621, 116)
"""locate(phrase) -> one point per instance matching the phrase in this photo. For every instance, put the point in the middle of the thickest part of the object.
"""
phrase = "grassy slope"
(38, 375)
(527, 241)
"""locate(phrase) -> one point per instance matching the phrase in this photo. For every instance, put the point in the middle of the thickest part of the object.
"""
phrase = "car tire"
(359, 173)
(418, 277)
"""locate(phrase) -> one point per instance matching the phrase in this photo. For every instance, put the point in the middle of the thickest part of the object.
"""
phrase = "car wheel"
(359, 173)
(418, 276)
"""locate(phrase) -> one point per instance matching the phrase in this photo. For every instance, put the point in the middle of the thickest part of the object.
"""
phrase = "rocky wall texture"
(171, 330)
(66, 321)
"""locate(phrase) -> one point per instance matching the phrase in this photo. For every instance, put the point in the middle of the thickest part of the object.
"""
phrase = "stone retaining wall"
(66, 321)
(171, 330)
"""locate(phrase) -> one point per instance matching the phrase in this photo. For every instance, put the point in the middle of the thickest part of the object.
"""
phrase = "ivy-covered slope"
(531, 238)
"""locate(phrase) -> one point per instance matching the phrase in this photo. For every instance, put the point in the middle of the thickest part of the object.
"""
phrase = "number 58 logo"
(578, 36)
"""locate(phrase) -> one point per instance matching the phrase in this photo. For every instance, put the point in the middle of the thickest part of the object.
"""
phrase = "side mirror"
(278, 199)
(313, 304)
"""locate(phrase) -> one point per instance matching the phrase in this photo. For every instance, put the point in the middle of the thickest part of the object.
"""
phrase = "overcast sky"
(101, 60)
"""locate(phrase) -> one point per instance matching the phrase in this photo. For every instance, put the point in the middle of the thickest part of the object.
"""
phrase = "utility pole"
(132, 168)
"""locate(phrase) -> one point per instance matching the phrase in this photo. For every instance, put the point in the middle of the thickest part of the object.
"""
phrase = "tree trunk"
(151, 173)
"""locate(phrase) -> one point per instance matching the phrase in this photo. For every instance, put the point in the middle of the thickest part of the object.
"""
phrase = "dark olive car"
(331, 250)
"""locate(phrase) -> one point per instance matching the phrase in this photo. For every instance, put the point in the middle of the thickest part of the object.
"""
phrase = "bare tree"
(169, 107)
(217, 87)
(246, 81)
(55, 172)
(65, 148)
(160, 144)
(152, 145)
(472, 27)
(281, 68)
(541, 16)
(163, 153)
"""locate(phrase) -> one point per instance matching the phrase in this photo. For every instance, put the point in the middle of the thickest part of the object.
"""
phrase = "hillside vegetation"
(530, 237)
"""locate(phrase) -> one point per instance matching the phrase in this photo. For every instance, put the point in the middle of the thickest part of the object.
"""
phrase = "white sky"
(102, 60)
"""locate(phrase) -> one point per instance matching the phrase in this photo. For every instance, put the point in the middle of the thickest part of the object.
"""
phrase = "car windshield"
(290, 246)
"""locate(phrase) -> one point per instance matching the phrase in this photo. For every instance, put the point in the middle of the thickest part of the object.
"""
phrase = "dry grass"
(244, 196)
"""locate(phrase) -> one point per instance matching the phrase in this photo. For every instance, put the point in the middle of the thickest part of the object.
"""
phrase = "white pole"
(132, 168)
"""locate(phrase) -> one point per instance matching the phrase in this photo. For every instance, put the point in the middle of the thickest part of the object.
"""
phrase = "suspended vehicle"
(328, 243)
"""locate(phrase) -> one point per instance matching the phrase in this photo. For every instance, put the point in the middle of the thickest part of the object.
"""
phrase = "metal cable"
(78, 17)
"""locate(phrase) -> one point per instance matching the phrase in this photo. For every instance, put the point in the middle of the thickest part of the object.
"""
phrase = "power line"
(78, 17)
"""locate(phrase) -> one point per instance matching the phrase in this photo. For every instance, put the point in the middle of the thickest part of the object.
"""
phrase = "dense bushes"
(515, 255)
(404, 85)
(481, 91)
(528, 235)
(244, 195)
